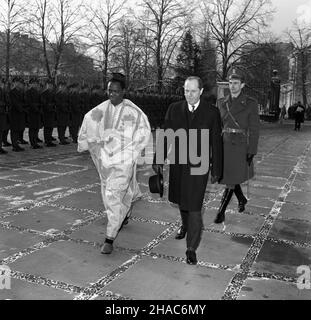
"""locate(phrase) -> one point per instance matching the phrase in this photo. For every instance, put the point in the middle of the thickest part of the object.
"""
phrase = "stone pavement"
(52, 224)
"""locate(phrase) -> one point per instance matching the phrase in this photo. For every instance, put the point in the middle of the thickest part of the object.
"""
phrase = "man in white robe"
(115, 132)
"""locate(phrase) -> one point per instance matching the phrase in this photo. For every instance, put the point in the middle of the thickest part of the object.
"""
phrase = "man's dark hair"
(118, 78)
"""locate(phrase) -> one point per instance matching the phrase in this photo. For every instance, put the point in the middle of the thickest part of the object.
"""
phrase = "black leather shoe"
(6, 144)
(220, 218)
(50, 144)
(39, 140)
(18, 149)
(3, 151)
(181, 233)
(53, 139)
(191, 257)
(242, 205)
(23, 142)
(36, 146)
(64, 142)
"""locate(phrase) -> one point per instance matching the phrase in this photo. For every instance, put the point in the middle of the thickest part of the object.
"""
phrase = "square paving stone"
(298, 196)
(159, 279)
(12, 242)
(72, 263)
(46, 218)
(53, 168)
(27, 176)
(6, 183)
(281, 258)
(299, 231)
(135, 235)
(27, 193)
(272, 290)
(235, 223)
(214, 248)
(268, 180)
(87, 199)
(302, 185)
(296, 211)
(158, 210)
(22, 290)
(266, 192)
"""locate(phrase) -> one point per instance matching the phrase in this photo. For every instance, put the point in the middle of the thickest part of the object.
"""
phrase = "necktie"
(192, 108)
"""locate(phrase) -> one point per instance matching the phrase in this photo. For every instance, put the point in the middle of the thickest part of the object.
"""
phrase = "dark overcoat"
(245, 116)
(186, 189)
(62, 107)
(3, 110)
(33, 107)
(48, 108)
(17, 111)
(75, 107)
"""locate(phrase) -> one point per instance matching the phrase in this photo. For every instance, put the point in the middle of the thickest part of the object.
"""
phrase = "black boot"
(226, 197)
(182, 231)
(240, 196)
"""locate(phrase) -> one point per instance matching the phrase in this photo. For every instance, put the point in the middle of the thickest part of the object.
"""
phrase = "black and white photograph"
(155, 154)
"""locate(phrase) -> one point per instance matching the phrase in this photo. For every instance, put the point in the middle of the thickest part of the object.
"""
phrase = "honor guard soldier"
(49, 113)
(17, 114)
(97, 96)
(34, 111)
(240, 130)
(62, 112)
(85, 100)
(75, 111)
(3, 113)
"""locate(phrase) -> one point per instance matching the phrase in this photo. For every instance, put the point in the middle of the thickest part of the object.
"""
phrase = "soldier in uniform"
(3, 113)
(49, 113)
(34, 110)
(75, 107)
(240, 122)
(17, 114)
(62, 112)
(85, 100)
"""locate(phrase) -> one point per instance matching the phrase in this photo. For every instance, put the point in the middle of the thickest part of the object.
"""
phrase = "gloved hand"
(249, 158)
(157, 168)
(214, 179)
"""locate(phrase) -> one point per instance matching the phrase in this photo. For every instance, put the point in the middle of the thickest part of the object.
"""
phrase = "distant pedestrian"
(282, 114)
(299, 116)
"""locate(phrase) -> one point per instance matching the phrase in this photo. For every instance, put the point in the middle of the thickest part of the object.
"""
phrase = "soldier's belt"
(231, 130)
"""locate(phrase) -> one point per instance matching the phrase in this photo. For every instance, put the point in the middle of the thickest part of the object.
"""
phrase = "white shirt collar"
(195, 106)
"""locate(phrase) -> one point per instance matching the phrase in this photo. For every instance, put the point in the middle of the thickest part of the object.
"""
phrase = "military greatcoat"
(241, 115)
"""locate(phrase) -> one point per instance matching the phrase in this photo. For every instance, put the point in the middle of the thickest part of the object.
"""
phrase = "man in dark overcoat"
(187, 187)
(4, 109)
(299, 115)
(62, 112)
(49, 113)
(75, 107)
(17, 113)
(240, 121)
(34, 111)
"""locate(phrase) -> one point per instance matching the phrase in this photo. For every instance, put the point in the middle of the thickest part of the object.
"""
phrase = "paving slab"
(167, 279)
(53, 222)
(272, 290)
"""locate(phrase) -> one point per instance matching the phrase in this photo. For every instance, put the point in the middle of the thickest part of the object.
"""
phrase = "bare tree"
(300, 36)
(12, 21)
(128, 51)
(58, 23)
(104, 18)
(165, 22)
(233, 25)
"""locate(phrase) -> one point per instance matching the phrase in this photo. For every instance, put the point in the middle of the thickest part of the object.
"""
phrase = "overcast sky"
(289, 10)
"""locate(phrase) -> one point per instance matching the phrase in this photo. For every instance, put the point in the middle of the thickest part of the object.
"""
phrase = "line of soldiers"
(35, 107)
